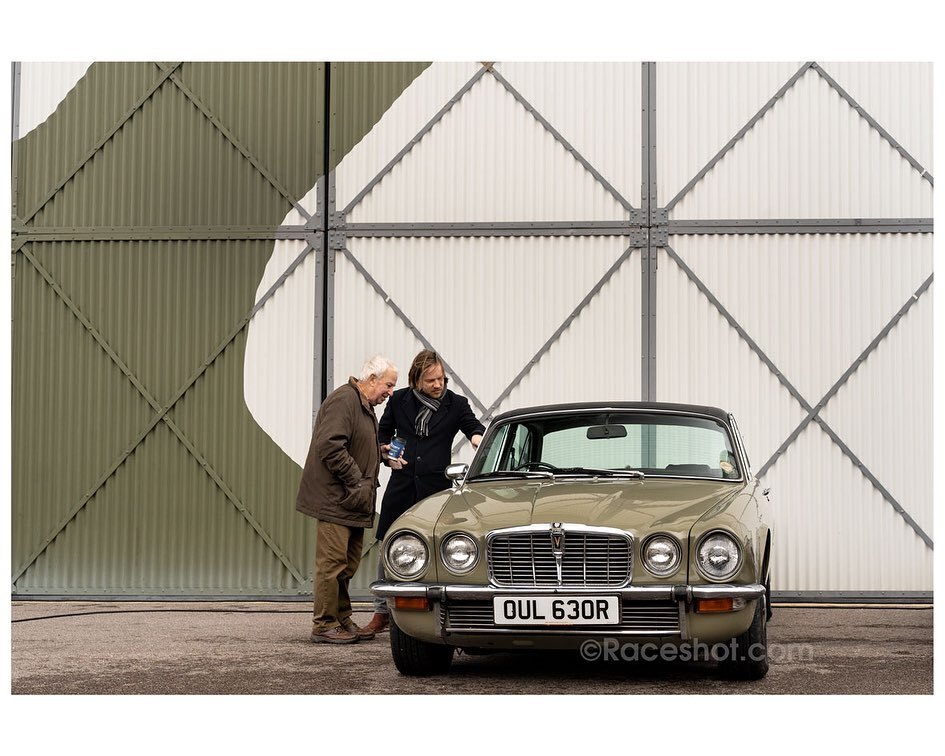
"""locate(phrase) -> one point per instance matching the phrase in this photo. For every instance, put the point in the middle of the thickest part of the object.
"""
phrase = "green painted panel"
(163, 306)
(261, 477)
(265, 106)
(167, 166)
(168, 520)
(73, 412)
(160, 526)
(99, 101)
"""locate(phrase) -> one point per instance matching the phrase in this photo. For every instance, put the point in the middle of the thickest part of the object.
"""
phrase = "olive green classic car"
(611, 524)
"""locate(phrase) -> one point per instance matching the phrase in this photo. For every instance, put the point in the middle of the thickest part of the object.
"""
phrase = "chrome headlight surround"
(406, 555)
(457, 544)
(721, 541)
(671, 545)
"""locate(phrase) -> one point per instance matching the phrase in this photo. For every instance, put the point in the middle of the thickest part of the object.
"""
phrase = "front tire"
(417, 658)
(750, 660)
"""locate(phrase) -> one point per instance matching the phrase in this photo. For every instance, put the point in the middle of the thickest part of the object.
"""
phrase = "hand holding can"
(396, 447)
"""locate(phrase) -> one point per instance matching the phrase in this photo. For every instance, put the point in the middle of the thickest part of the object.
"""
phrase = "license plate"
(556, 610)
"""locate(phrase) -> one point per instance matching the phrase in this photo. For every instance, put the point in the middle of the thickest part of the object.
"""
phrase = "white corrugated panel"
(898, 96)
(700, 107)
(404, 119)
(278, 367)
(598, 357)
(810, 156)
(813, 304)
(700, 359)
(489, 305)
(596, 108)
(883, 414)
(834, 531)
(487, 160)
(42, 87)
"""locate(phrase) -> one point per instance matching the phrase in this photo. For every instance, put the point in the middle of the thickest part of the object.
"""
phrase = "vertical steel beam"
(324, 284)
(648, 259)
(318, 368)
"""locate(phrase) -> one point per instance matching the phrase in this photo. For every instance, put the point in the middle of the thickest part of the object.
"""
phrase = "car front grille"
(597, 559)
(636, 617)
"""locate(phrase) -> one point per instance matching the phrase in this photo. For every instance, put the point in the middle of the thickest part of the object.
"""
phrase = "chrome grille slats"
(593, 557)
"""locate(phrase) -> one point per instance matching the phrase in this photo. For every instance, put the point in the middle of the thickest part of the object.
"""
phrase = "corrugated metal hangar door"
(760, 239)
(755, 236)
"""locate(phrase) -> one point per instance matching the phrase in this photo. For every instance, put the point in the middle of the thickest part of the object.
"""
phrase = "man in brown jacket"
(338, 489)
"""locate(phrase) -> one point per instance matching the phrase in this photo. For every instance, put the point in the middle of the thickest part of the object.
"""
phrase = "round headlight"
(718, 556)
(406, 555)
(460, 553)
(661, 555)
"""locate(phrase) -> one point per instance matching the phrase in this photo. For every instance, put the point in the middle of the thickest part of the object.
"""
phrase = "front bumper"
(463, 615)
(687, 593)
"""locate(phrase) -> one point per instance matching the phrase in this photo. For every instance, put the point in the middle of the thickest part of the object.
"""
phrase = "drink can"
(396, 447)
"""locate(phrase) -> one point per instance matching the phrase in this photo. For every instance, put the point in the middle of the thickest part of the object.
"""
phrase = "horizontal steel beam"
(803, 226)
(161, 233)
(632, 227)
(521, 228)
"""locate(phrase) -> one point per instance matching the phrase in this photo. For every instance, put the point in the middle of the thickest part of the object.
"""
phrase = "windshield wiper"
(601, 472)
(513, 474)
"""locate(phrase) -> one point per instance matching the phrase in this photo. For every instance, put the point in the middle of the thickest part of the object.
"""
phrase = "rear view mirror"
(607, 431)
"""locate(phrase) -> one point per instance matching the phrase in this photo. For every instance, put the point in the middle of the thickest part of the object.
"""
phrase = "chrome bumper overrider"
(385, 589)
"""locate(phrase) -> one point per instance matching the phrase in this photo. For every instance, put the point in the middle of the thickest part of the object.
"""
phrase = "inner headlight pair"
(718, 555)
(407, 554)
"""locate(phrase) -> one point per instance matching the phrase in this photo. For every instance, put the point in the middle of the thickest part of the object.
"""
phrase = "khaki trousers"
(337, 556)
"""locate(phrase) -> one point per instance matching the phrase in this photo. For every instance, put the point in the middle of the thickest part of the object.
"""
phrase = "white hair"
(376, 367)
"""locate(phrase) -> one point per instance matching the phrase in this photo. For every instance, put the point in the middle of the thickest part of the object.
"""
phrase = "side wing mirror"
(457, 473)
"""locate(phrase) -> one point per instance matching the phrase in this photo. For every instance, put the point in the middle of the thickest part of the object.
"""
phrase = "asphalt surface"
(264, 648)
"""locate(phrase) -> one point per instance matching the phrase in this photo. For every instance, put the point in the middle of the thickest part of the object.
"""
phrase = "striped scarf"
(427, 407)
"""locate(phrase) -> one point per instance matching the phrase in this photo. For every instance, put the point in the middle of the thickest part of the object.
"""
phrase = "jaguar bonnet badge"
(557, 539)
(557, 548)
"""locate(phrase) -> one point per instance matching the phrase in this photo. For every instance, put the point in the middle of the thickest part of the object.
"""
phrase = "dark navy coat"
(427, 457)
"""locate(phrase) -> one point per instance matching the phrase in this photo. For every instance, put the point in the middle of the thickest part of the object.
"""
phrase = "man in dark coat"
(427, 416)
(339, 489)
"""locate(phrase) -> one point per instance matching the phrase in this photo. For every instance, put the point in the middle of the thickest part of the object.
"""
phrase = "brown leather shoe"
(334, 635)
(378, 624)
(363, 633)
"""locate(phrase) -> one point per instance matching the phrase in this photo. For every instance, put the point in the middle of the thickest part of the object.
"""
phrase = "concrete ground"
(264, 648)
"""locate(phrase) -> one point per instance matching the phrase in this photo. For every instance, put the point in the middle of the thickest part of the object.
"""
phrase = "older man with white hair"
(338, 489)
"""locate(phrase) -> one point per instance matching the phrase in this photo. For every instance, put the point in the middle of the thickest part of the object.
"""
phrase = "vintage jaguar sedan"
(619, 524)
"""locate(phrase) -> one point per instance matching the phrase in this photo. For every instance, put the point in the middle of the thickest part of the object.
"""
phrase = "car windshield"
(608, 443)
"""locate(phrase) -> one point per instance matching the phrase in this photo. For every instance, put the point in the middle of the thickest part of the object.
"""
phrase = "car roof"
(685, 409)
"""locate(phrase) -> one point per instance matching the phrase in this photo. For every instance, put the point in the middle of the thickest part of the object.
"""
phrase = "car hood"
(636, 506)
